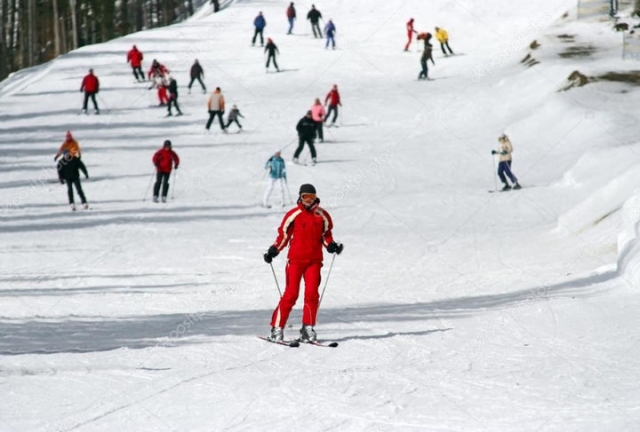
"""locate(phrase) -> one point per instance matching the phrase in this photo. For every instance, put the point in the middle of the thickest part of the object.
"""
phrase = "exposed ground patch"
(578, 51)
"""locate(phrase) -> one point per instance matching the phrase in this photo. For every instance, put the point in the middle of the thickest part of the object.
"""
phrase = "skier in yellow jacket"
(443, 38)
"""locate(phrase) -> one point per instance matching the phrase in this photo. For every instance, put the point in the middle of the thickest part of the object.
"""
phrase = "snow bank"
(628, 245)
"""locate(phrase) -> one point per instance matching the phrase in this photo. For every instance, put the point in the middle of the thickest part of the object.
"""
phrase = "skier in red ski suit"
(135, 58)
(410, 32)
(306, 229)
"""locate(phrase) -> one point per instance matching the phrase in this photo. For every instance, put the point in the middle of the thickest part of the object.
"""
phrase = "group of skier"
(313, 225)
(427, 53)
(314, 16)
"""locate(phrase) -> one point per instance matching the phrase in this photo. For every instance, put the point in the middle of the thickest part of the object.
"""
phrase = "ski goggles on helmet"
(308, 196)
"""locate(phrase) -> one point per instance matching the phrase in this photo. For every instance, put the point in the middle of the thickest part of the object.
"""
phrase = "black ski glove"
(493, 152)
(270, 254)
(334, 247)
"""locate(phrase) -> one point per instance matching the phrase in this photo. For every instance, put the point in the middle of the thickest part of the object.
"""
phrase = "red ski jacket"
(90, 84)
(333, 98)
(306, 232)
(163, 160)
(159, 70)
(135, 57)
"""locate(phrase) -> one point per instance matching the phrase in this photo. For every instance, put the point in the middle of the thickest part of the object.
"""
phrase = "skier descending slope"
(69, 168)
(272, 49)
(306, 229)
(277, 175)
(426, 55)
(164, 160)
(504, 166)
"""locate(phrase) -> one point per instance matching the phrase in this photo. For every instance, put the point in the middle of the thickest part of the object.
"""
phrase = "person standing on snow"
(306, 128)
(443, 38)
(330, 32)
(215, 105)
(173, 96)
(135, 58)
(157, 74)
(272, 49)
(317, 113)
(197, 73)
(314, 16)
(90, 86)
(410, 32)
(291, 16)
(69, 168)
(504, 165)
(306, 228)
(233, 117)
(277, 174)
(259, 23)
(164, 159)
(333, 99)
(426, 55)
(71, 147)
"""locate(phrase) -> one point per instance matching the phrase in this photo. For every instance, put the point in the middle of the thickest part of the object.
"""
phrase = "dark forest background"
(35, 31)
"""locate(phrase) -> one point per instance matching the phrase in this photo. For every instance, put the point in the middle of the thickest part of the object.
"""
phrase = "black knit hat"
(307, 188)
(167, 143)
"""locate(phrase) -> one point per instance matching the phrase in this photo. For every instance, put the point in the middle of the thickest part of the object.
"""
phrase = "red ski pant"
(409, 35)
(162, 95)
(295, 271)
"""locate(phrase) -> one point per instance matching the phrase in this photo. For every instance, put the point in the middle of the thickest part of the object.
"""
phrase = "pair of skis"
(296, 343)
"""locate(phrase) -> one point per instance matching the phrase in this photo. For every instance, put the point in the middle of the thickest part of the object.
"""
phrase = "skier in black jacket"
(69, 168)
(306, 134)
(173, 95)
(272, 49)
(197, 73)
(315, 16)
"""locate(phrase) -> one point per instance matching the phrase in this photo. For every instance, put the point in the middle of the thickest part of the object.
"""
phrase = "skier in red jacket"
(410, 32)
(164, 159)
(135, 58)
(333, 99)
(90, 86)
(158, 74)
(306, 229)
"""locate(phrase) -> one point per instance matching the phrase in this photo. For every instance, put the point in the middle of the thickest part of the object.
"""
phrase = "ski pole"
(102, 103)
(173, 189)
(260, 184)
(495, 182)
(286, 182)
(326, 281)
(147, 191)
(276, 279)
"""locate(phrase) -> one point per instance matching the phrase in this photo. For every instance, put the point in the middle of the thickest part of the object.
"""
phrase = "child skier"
(233, 117)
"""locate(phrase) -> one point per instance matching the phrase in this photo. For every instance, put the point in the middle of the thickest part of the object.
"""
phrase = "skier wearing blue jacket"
(330, 32)
(277, 174)
(259, 23)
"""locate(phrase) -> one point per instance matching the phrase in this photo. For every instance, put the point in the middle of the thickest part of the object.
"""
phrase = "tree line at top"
(35, 31)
